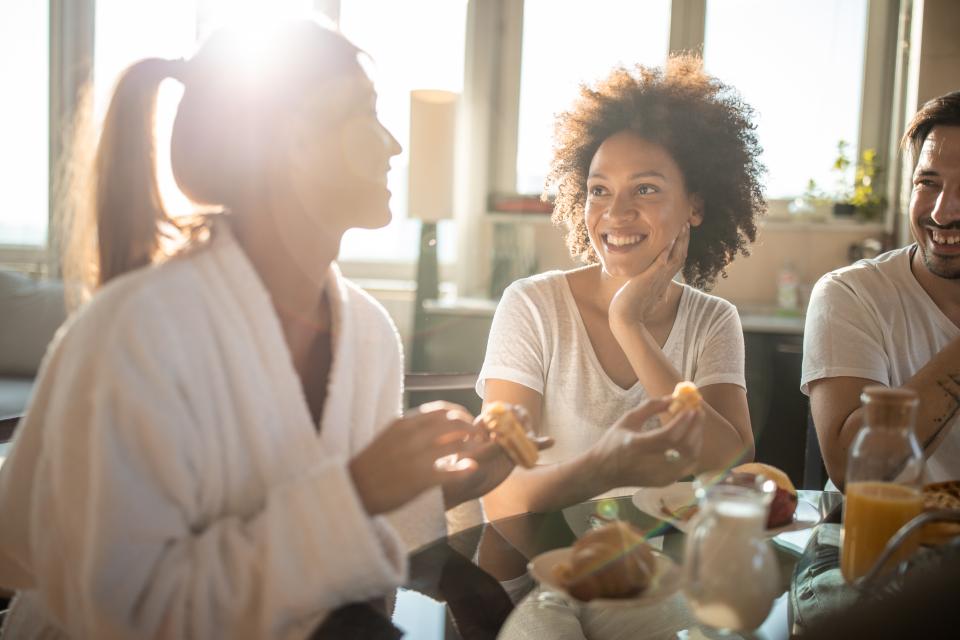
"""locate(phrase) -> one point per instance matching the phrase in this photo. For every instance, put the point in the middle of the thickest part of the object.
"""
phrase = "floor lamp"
(433, 120)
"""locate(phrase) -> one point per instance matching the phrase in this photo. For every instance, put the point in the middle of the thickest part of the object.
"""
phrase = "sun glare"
(127, 32)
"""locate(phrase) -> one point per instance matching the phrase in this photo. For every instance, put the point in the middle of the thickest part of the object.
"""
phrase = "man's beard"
(947, 268)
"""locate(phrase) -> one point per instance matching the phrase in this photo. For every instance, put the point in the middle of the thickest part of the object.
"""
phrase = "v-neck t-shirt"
(873, 320)
(538, 340)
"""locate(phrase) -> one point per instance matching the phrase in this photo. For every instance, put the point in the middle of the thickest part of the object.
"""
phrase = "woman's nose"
(622, 207)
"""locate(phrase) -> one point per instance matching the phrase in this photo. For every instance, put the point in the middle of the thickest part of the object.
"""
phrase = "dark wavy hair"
(705, 126)
(943, 110)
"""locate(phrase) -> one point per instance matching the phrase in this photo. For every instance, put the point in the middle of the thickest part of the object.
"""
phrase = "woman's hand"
(493, 465)
(400, 464)
(629, 456)
(634, 302)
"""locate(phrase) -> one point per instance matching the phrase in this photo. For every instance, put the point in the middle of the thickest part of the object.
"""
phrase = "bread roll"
(613, 561)
(685, 396)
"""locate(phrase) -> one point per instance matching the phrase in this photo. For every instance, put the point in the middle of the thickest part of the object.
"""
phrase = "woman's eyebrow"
(633, 176)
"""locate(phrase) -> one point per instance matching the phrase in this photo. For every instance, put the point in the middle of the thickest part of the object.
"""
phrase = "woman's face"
(341, 157)
(636, 204)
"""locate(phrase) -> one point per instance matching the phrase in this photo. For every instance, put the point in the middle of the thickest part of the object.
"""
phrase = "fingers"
(455, 411)
(681, 244)
(636, 418)
(542, 442)
(461, 469)
(439, 421)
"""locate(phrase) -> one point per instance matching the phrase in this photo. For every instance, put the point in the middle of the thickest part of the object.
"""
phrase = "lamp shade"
(433, 123)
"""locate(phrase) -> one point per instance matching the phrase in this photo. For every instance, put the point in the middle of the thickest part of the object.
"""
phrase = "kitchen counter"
(760, 319)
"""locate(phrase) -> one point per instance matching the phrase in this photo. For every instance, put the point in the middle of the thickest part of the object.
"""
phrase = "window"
(24, 116)
(417, 44)
(127, 32)
(566, 43)
(800, 65)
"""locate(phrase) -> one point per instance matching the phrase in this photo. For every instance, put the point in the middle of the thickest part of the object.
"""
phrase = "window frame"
(487, 146)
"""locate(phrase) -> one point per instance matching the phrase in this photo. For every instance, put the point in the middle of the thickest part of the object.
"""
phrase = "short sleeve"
(516, 346)
(721, 358)
(841, 338)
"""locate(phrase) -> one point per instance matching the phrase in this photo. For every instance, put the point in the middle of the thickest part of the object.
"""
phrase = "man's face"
(935, 202)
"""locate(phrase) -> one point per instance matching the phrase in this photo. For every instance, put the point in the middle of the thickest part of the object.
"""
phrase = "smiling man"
(895, 320)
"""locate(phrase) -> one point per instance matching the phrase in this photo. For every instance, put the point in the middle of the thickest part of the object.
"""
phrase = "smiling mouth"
(617, 242)
(944, 240)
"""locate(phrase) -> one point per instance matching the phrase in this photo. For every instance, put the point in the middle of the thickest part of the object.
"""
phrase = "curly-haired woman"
(656, 171)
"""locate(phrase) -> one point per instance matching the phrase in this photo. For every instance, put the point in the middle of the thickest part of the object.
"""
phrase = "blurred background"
(832, 81)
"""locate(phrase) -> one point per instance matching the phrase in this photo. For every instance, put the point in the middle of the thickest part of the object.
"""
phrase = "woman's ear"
(696, 212)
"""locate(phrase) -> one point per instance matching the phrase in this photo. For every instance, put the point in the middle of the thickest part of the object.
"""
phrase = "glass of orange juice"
(884, 475)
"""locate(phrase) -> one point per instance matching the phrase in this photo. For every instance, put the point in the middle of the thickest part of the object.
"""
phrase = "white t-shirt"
(873, 320)
(538, 340)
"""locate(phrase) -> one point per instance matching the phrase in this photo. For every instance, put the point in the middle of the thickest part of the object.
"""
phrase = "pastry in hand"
(784, 502)
(508, 430)
(613, 561)
(685, 396)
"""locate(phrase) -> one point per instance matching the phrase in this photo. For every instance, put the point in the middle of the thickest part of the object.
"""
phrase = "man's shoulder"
(885, 272)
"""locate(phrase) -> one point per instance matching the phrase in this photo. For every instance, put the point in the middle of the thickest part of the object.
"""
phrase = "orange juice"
(873, 512)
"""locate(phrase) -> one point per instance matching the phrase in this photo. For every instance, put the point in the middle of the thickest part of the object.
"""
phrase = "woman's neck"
(293, 267)
(603, 287)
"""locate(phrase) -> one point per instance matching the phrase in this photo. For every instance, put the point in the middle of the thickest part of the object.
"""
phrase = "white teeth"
(622, 241)
(945, 238)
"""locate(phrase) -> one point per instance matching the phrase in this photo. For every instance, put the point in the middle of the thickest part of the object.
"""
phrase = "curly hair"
(702, 123)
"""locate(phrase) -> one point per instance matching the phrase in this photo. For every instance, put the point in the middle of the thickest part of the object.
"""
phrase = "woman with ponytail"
(215, 438)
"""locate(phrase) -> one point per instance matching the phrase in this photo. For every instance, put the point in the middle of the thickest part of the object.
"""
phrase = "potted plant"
(861, 198)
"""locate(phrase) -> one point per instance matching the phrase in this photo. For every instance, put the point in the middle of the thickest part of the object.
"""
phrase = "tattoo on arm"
(952, 391)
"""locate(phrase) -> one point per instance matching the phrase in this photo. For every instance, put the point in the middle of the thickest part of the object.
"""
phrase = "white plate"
(679, 494)
(666, 579)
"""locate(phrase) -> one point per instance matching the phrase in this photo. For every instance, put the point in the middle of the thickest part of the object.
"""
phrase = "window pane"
(24, 113)
(129, 31)
(417, 44)
(567, 42)
(800, 65)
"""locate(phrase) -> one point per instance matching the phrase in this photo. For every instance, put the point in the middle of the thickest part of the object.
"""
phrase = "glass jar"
(884, 479)
(731, 573)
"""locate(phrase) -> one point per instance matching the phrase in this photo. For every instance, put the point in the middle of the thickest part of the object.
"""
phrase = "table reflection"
(475, 584)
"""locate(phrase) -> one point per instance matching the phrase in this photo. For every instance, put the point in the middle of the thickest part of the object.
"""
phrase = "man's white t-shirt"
(538, 340)
(873, 320)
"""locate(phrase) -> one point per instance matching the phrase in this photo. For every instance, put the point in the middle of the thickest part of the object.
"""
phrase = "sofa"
(31, 311)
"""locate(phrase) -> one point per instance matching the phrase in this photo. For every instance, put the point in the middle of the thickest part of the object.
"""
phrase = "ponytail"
(129, 210)
(113, 211)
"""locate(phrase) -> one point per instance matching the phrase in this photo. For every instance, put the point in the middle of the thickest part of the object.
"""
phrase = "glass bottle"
(731, 573)
(884, 479)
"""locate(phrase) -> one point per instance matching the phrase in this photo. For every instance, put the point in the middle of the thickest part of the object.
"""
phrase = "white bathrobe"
(168, 480)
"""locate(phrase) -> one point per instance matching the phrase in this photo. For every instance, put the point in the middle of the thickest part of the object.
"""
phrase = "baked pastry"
(613, 561)
(685, 396)
(508, 430)
(937, 496)
(784, 503)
